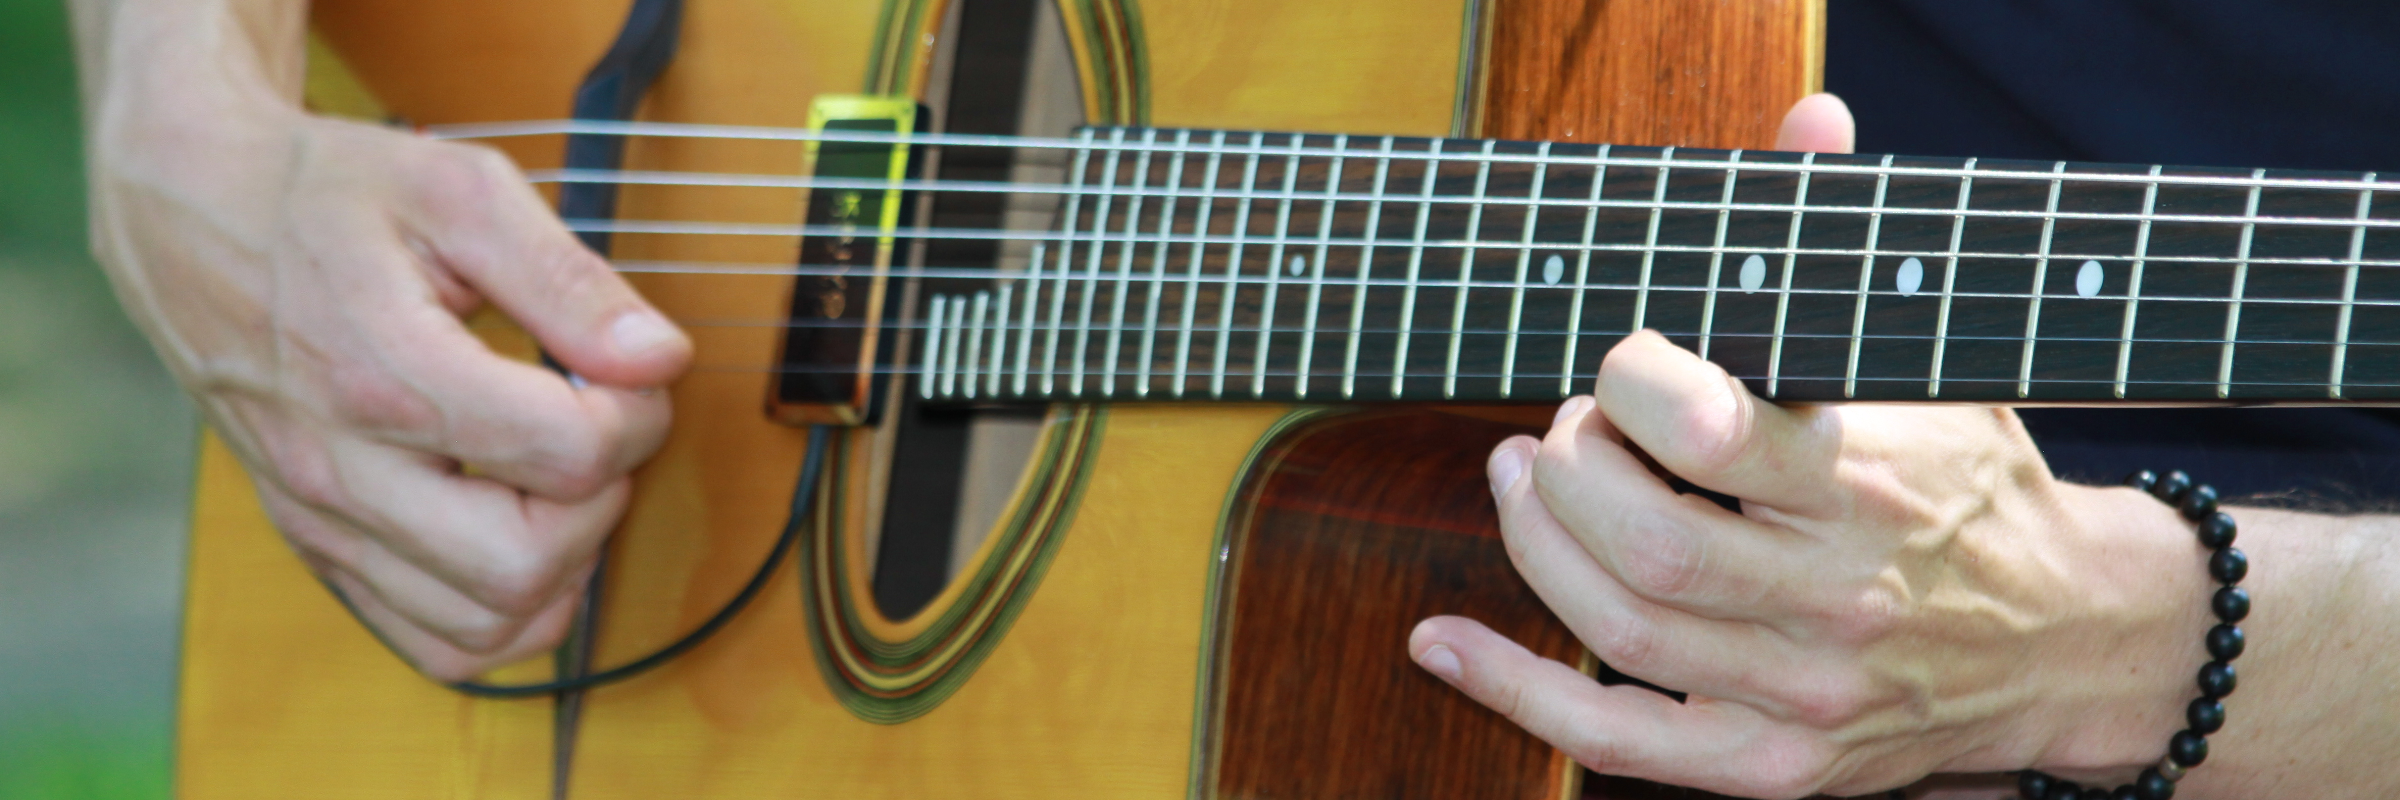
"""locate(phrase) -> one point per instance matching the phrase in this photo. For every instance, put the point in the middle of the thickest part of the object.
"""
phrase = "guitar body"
(1176, 600)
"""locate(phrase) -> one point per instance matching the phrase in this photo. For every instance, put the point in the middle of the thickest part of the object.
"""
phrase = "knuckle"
(462, 178)
(1625, 643)
(580, 462)
(1659, 557)
(378, 399)
(1785, 765)
(1715, 432)
(1597, 751)
(484, 635)
(1825, 704)
(518, 581)
(1865, 618)
(307, 473)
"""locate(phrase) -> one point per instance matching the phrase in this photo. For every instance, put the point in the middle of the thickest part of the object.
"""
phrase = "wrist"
(175, 78)
(2126, 658)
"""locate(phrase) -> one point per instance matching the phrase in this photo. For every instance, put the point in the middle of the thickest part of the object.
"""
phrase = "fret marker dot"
(1299, 265)
(1553, 269)
(1754, 273)
(1910, 277)
(2087, 279)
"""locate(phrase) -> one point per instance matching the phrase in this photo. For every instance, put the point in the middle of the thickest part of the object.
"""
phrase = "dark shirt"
(2237, 83)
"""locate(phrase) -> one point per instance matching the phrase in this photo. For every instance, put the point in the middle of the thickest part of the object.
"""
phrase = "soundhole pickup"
(839, 337)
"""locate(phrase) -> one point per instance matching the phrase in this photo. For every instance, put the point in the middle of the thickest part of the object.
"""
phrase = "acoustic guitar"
(1092, 394)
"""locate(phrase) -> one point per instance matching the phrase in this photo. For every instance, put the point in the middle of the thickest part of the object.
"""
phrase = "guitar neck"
(1214, 265)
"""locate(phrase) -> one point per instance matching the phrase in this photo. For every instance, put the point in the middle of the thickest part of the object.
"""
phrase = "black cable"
(819, 438)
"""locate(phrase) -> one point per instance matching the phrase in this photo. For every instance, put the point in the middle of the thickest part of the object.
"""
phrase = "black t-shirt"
(2239, 83)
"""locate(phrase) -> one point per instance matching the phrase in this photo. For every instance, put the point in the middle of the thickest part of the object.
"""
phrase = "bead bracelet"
(2206, 714)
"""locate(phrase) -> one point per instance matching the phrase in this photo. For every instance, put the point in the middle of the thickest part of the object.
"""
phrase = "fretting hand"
(1906, 590)
(306, 279)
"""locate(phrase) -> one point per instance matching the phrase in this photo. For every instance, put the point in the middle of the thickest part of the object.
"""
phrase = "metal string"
(1261, 148)
(737, 180)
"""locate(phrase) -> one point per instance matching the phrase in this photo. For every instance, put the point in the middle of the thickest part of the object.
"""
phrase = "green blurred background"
(96, 447)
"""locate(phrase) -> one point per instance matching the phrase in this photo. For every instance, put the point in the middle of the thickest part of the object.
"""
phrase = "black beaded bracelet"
(2206, 714)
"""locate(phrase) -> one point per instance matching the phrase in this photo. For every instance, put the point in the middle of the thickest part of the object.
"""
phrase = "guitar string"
(486, 131)
(1531, 205)
(2003, 384)
(984, 273)
(2345, 193)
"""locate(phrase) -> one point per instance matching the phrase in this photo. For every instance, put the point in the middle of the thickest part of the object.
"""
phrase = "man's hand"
(1906, 589)
(306, 279)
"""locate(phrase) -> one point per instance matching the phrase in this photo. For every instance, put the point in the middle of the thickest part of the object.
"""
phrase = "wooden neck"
(1247, 266)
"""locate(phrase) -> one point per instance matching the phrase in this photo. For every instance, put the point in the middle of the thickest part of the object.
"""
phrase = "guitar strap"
(610, 92)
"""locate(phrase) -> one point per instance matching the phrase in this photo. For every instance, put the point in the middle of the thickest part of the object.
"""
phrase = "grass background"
(96, 445)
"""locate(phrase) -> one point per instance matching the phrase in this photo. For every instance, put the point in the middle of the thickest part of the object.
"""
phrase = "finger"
(477, 215)
(408, 591)
(506, 551)
(1819, 123)
(436, 657)
(1704, 426)
(1665, 646)
(1617, 730)
(1667, 548)
(440, 391)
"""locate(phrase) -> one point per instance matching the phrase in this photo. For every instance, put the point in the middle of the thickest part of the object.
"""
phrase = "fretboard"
(1212, 265)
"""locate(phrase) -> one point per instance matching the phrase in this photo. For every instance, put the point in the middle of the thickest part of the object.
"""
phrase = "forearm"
(2317, 712)
(154, 51)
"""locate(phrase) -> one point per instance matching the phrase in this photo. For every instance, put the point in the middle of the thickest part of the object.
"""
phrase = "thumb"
(1819, 123)
(479, 217)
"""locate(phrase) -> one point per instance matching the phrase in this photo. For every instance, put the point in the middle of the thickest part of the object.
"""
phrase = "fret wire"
(1091, 272)
(1641, 297)
(2358, 244)
(1316, 288)
(1466, 273)
(1783, 298)
(1366, 268)
(1716, 260)
(1516, 300)
(2241, 277)
(1583, 264)
(1033, 299)
(1116, 312)
(1416, 260)
(1233, 270)
(933, 348)
(1866, 275)
(1266, 316)
(2133, 284)
(2041, 273)
(1191, 290)
(991, 380)
(953, 329)
(689, 130)
(1642, 205)
(1066, 264)
(974, 345)
(1158, 272)
(1941, 336)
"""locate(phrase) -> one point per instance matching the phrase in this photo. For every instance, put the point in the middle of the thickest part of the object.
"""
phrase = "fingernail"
(640, 332)
(1441, 662)
(1572, 407)
(1507, 465)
